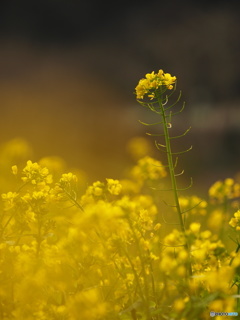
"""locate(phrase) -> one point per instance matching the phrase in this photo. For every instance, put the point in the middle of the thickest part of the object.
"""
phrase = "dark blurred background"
(68, 70)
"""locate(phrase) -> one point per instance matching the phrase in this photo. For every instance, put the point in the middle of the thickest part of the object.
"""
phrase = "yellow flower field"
(138, 248)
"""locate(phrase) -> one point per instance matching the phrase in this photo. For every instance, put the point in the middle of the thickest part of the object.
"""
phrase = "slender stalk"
(238, 301)
(146, 288)
(7, 223)
(13, 214)
(236, 251)
(135, 274)
(39, 235)
(171, 165)
(73, 200)
(172, 174)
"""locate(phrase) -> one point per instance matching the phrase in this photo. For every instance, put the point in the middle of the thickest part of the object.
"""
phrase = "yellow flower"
(139, 147)
(36, 174)
(222, 190)
(193, 204)
(179, 305)
(14, 170)
(148, 168)
(215, 220)
(9, 199)
(68, 177)
(87, 305)
(152, 82)
(114, 187)
(195, 227)
(237, 215)
(235, 222)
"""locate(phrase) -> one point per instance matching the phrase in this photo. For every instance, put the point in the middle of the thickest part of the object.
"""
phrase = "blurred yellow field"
(138, 247)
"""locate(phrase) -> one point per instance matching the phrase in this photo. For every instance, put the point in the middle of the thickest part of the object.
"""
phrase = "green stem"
(238, 301)
(236, 251)
(146, 288)
(7, 223)
(73, 200)
(135, 274)
(12, 215)
(171, 169)
(172, 175)
(39, 235)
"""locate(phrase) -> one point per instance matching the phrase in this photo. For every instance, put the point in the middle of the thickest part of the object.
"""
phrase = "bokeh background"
(68, 70)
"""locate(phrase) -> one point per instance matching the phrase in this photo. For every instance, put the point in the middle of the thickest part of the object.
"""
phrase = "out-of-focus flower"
(114, 186)
(35, 174)
(139, 147)
(222, 190)
(235, 222)
(148, 168)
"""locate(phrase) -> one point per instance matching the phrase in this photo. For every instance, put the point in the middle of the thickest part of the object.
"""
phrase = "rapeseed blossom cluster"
(107, 253)
(152, 82)
(148, 168)
(235, 221)
(222, 190)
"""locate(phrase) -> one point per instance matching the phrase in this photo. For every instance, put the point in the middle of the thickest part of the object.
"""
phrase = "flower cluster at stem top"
(152, 82)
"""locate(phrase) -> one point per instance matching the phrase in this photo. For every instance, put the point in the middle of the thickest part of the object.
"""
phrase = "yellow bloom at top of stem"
(68, 177)
(153, 81)
(36, 174)
(114, 187)
(9, 199)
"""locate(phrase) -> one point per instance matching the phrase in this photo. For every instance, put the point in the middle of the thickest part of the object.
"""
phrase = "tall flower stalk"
(152, 92)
